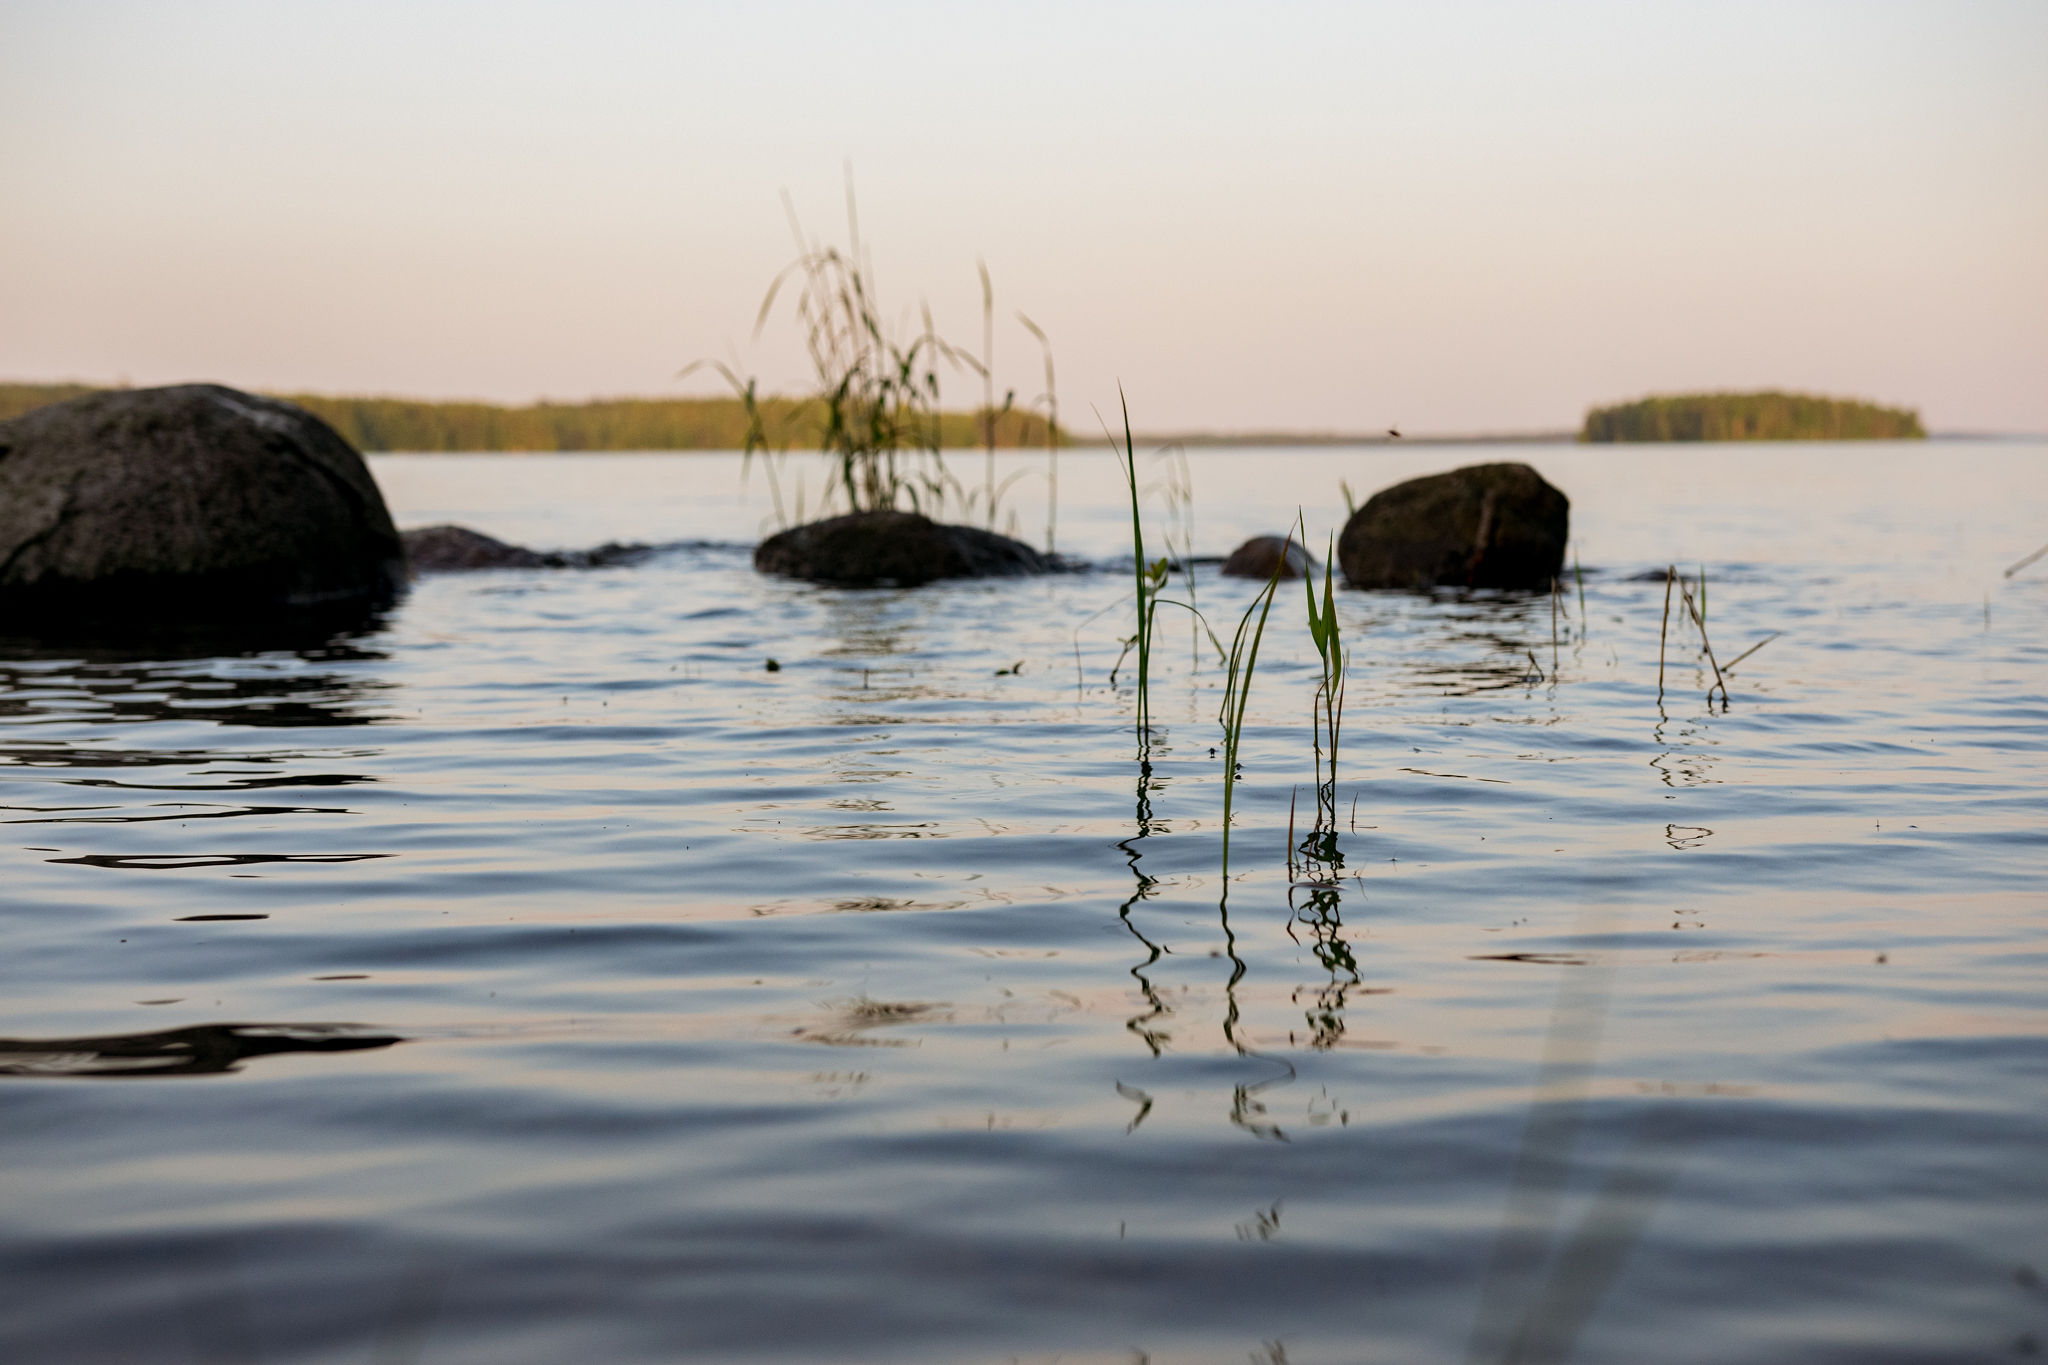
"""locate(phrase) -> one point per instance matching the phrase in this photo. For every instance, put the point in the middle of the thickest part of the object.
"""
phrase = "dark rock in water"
(446, 549)
(1483, 526)
(1259, 556)
(195, 503)
(899, 549)
(603, 557)
(1648, 576)
(452, 549)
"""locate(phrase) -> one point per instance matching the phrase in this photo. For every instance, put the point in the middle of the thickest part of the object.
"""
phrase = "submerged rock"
(446, 549)
(1259, 556)
(900, 549)
(185, 504)
(1483, 526)
(453, 549)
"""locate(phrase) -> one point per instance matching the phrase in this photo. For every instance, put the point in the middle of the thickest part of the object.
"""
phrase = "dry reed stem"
(1553, 625)
(1663, 628)
(1293, 796)
(2028, 560)
(1751, 650)
(1700, 621)
(1052, 436)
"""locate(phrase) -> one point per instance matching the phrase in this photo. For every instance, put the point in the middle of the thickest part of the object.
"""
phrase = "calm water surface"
(539, 977)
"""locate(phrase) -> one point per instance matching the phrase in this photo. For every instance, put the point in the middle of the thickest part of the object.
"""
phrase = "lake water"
(538, 977)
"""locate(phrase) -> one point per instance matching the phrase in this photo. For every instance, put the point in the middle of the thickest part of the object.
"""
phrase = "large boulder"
(1483, 526)
(901, 549)
(192, 503)
(1260, 556)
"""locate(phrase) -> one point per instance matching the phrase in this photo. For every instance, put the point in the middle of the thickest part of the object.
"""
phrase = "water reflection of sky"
(742, 999)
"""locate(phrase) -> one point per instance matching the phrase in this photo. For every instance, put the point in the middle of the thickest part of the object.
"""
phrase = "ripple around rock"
(890, 548)
(183, 504)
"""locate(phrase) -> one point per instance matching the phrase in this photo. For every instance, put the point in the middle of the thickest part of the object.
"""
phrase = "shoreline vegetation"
(1766, 416)
(425, 426)
(422, 426)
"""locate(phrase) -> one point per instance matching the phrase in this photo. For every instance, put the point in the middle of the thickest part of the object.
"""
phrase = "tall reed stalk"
(1699, 619)
(1326, 711)
(880, 395)
(1052, 438)
(1147, 578)
(1237, 692)
(1664, 628)
(990, 414)
(756, 439)
(876, 391)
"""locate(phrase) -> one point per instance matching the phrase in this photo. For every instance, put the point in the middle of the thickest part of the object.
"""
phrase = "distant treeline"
(1769, 416)
(15, 399)
(405, 424)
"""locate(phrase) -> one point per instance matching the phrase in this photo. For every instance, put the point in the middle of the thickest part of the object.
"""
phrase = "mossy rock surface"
(195, 502)
(894, 549)
(1483, 526)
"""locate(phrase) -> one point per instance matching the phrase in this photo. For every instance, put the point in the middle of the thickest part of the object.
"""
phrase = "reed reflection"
(1506, 630)
(1247, 1110)
(1143, 1024)
(1681, 760)
(1319, 911)
(869, 623)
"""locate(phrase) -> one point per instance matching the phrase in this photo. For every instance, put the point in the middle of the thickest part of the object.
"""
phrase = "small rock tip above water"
(889, 548)
(1261, 555)
(447, 548)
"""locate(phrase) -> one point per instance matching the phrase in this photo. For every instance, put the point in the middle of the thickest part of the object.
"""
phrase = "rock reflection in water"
(178, 862)
(1507, 629)
(204, 1049)
(259, 693)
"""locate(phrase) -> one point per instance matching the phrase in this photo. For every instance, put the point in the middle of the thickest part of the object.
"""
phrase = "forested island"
(1766, 416)
(405, 424)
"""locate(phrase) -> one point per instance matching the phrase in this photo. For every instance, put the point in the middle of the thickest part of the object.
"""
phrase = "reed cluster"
(1692, 602)
(1239, 666)
(875, 400)
(1326, 711)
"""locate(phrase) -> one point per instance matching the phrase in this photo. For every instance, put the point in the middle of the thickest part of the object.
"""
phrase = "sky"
(1447, 217)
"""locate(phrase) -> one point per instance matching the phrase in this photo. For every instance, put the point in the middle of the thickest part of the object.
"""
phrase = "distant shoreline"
(399, 426)
(1755, 415)
(1326, 438)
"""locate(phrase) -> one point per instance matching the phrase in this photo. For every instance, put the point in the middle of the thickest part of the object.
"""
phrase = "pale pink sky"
(1450, 217)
